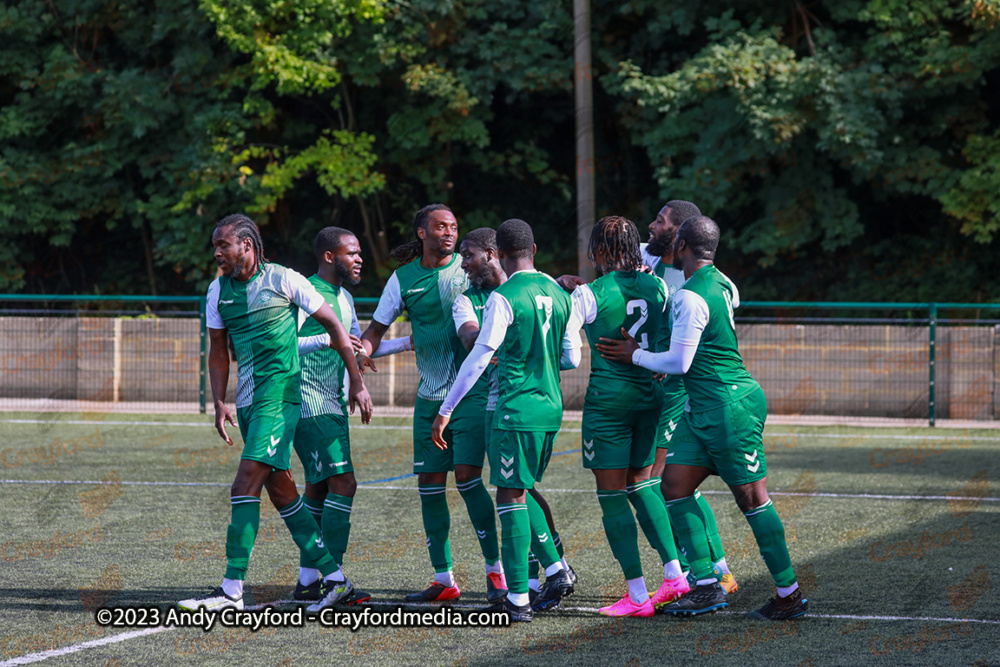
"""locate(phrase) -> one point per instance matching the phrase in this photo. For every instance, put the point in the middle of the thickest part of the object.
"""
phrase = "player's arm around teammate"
(723, 429)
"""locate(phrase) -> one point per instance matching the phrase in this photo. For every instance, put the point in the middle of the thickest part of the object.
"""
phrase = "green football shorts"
(728, 439)
(616, 439)
(464, 436)
(268, 429)
(670, 417)
(518, 459)
(323, 444)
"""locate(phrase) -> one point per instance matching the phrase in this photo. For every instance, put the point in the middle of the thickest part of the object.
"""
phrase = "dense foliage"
(849, 150)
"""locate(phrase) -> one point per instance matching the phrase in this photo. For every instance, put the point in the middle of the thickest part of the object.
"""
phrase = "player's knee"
(343, 485)
(750, 497)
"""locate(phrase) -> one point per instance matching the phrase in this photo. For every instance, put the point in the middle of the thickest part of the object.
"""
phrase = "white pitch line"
(866, 496)
(66, 650)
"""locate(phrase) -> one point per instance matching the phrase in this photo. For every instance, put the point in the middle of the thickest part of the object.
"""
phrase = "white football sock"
(637, 590)
(445, 578)
(672, 570)
(721, 564)
(785, 591)
(337, 575)
(552, 569)
(233, 587)
(520, 599)
(308, 575)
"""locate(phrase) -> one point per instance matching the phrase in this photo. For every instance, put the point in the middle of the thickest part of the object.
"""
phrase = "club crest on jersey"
(458, 279)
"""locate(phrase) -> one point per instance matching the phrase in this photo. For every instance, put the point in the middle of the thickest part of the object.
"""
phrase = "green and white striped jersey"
(325, 382)
(260, 315)
(469, 307)
(428, 295)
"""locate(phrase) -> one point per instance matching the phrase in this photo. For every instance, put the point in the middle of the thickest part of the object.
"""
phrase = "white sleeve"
(497, 316)
(212, 317)
(390, 304)
(468, 374)
(301, 292)
(310, 344)
(690, 314)
(392, 346)
(584, 312)
(462, 312)
(584, 306)
(736, 292)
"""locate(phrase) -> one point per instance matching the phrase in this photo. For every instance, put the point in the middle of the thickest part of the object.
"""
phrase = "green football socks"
(619, 526)
(542, 544)
(689, 522)
(337, 525)
(770, 535)
(480, 507)
(437, 524)
(305, 532)
(515, 542)
(653, 518)
(241, 534)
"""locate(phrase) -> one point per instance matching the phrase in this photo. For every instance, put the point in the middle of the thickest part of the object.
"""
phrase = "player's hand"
(495, 360)
(437, 431)
(358, 396)
(570, 283)
(365, 361)
(645, 269)
(223, 415)
(660, 377)
(412, 346)
(618, 350)
(356, 344)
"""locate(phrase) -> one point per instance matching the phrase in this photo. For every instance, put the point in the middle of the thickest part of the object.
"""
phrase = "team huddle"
(668, 403)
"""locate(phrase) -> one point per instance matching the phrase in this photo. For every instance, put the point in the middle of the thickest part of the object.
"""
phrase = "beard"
(237, 267)
(344, 272)
(487, 276)
(658, 246)
(678, 263)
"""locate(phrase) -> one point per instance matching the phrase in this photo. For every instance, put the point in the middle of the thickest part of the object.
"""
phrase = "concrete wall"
(819, 369)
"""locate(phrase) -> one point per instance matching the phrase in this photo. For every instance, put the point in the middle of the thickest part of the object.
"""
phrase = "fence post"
(202, 326)
(932, 312)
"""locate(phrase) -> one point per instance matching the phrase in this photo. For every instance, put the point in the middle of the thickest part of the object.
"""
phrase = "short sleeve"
(497, 317)
(355, 325)
(462, 311)
(390, 304)
(212, 317)
(301, 292)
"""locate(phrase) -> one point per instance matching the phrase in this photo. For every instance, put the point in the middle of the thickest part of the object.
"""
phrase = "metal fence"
(890, 360)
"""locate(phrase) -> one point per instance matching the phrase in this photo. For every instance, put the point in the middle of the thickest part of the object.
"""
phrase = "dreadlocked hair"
(618, 239)
(408, 252)
(245, 228)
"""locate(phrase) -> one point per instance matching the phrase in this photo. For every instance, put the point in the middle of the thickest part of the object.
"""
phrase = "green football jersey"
(325, 382)
(260, 315)
(427, 295)
(635, 301)
(489, 381)
(717, 375)
(532, 311)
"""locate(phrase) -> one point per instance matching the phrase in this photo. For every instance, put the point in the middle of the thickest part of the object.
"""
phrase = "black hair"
(484, 238)
(245, 228)
(701, 235)
(515, 238)
(407, 252)
(329, 239)
(619, 239)
(679, 210)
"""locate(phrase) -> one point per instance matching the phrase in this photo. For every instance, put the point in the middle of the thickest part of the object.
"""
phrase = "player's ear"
(328, 257)
(421, 233)
(534, 249)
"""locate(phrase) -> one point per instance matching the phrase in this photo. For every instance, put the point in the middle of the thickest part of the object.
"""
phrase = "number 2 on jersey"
(643, 316)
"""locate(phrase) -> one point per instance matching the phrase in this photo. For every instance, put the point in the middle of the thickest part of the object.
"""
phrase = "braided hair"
(245, 228)
(408, 252)
(618, 238)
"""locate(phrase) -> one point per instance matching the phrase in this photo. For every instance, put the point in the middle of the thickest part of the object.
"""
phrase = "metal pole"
(583, 79)
(202, 326)
(932, 311)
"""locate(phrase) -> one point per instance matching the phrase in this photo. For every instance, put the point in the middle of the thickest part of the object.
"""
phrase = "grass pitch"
(890, 531)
